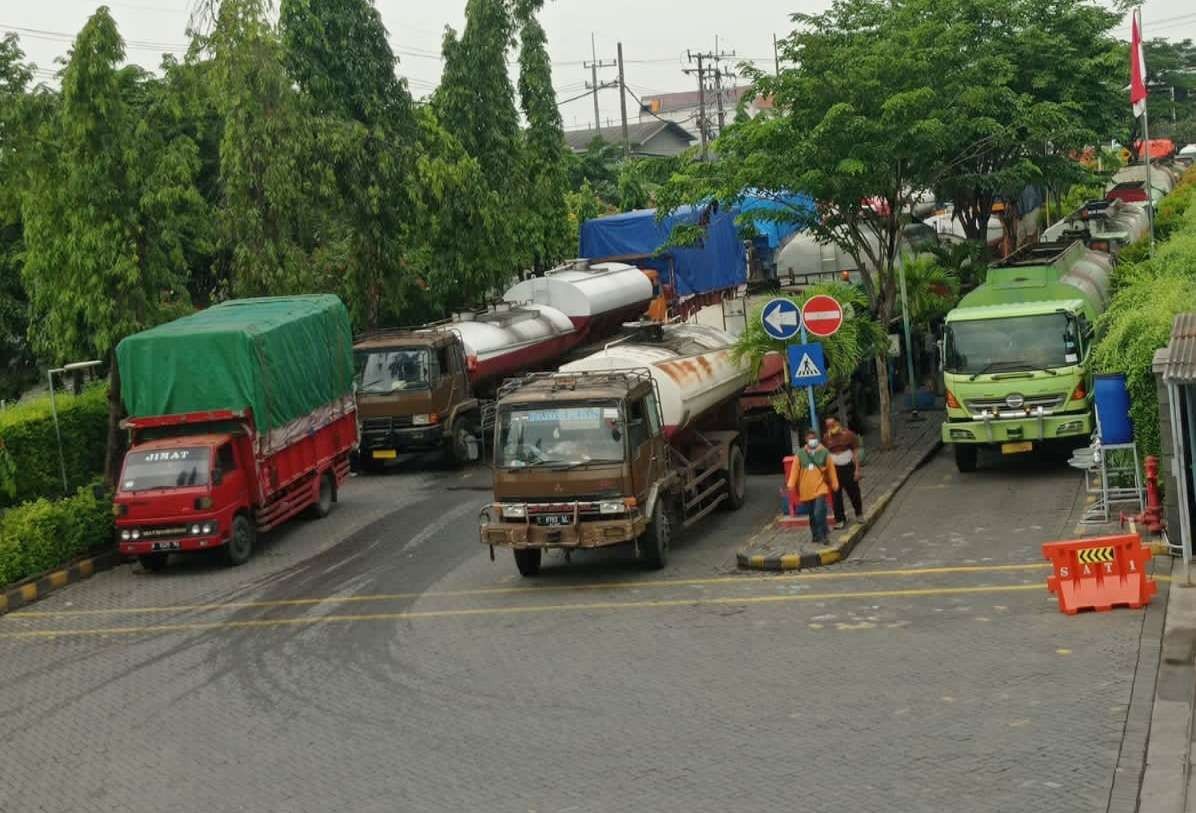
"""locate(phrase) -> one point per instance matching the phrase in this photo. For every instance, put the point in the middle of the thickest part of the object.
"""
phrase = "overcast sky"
(655, 36)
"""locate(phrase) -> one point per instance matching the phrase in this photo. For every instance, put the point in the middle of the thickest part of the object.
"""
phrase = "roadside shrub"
(41, 534)
(1149, 295)
(27, 434)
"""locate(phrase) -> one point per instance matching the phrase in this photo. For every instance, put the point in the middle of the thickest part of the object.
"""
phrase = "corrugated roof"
(1181, 351)
(638, 133)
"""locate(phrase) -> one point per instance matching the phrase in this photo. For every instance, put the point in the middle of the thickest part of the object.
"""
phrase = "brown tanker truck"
(420, 389)
(629, 445)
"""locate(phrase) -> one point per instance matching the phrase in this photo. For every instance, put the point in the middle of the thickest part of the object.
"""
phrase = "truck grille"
(1015, 405)
(384, 426)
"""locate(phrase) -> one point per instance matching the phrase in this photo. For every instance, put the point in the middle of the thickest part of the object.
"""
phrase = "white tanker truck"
(629, 445)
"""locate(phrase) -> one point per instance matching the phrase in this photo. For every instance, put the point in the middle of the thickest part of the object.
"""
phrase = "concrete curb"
(843, 548)
(38, 587)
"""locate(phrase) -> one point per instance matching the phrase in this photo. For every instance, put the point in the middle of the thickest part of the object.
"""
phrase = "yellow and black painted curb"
(40, 586)
(846, 543)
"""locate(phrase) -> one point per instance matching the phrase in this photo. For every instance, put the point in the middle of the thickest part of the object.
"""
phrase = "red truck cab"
(193, 482)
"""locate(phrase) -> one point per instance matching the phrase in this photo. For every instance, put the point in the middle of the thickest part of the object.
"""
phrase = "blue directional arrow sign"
(807, 365)
(781, 319)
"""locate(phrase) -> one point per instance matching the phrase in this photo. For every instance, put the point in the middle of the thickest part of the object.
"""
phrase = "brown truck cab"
(581, 460)
(414, 394)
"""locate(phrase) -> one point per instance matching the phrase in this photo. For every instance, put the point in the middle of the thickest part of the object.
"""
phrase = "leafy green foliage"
(544, 220)
(272, 173)
(339, 54)
(931, 289)
(1149, 295)
(29, 442)
(41, 535)
(108, 213)
(1029, 84)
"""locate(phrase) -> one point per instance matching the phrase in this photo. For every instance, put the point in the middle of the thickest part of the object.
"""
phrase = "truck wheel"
(239, 547)
(154, 562)
(965, 457)
(527, 560)
(459, 443)
(654, 544)
(736, 479)
(322, 507)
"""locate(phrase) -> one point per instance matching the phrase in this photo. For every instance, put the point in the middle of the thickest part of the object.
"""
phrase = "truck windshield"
(165, 468)
(380, 372)
(1040, 342)
(560, 435)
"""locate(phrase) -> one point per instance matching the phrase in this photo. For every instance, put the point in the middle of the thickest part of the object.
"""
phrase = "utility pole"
(623, 105)
(701, 73)
(594, 84)
(776, 59)
(717, 57)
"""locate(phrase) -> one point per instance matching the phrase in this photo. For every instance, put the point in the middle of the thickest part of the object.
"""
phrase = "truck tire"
(239, 547)
(657, 538)
(736, 479)
(154, 562)
(965, 457)
(322, 507)
(528, 560)
(459, 441)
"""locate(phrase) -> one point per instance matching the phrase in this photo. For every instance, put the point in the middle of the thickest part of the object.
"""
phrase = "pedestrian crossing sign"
(807, 365)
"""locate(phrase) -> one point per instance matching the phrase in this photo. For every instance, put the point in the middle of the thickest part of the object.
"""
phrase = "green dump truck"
(1016, 352)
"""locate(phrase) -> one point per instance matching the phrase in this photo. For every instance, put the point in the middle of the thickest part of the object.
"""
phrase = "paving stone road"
(378, 661)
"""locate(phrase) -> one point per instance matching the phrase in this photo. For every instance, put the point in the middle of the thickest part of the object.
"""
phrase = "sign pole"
(810, 390)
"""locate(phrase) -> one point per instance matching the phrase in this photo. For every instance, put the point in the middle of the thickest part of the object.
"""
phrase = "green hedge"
(1149, 295)
(40, 535)
(27, 436)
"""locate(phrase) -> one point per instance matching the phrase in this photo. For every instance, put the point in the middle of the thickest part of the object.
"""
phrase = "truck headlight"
(611, 507)
(209, 528)
(125, 535)
(196, 529)
(135, 534)
(514, 512)
(423, 420)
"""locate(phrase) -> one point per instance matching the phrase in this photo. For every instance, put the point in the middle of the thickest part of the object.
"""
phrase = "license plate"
(1017, 448)
(164, 546)
(385, 454)
(555, 519)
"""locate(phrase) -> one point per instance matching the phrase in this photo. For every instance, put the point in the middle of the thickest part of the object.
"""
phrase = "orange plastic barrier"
(1099, 573)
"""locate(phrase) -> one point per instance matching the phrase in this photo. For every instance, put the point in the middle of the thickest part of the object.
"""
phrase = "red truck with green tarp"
(240, 417)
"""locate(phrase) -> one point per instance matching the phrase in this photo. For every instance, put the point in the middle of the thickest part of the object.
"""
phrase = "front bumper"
(597, 533)
(181, 545)
(1013, 430)
(414, 439)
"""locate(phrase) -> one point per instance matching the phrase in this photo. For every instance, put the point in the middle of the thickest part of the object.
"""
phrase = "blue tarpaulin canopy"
(715, 264)
(775, 232)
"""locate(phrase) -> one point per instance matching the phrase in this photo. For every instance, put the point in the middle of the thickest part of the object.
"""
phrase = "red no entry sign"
(822, 315)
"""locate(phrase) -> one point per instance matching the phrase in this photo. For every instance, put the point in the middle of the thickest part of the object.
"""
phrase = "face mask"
(812, 443)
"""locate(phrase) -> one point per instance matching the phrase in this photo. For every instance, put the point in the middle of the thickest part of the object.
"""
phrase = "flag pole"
(1149, 188)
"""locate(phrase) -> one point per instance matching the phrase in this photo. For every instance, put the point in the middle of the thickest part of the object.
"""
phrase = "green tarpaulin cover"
(283, 357)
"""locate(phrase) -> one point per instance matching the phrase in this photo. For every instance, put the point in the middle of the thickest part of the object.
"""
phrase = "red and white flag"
(1137, 67)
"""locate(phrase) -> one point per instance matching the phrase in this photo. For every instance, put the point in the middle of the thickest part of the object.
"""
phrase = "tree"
(858, 125)
(337, 51)
(475, 105)
(1029, 84)
(107, 214)
(545, 220)
(18, 116)
(1171, 69)
(273, 175)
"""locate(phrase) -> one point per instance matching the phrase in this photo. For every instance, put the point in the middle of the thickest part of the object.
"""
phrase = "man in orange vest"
(813, 477)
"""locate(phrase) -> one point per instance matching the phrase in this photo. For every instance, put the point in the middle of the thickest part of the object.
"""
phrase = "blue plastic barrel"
(1113, 409)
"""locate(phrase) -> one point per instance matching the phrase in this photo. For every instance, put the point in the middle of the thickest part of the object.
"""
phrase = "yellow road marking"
(523, 610)
(556, 588)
